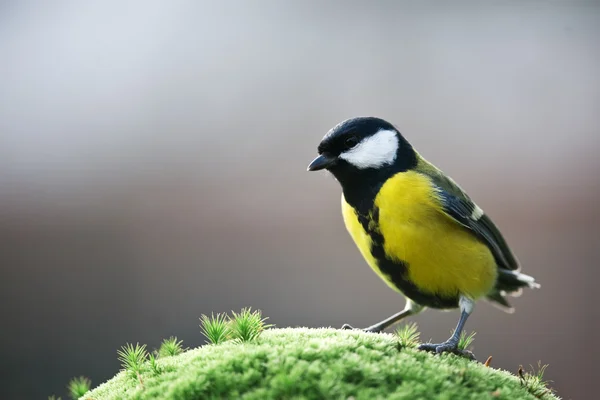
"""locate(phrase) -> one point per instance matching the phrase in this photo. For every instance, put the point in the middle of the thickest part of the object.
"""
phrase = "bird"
(416, 227)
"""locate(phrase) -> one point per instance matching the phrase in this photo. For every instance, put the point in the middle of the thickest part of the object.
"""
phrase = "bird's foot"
(449, 346)
(370, 329)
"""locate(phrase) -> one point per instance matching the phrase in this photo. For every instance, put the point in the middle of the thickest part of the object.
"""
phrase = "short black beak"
(323, 161)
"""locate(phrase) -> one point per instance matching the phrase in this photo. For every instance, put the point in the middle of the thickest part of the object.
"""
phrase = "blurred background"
(153, 168)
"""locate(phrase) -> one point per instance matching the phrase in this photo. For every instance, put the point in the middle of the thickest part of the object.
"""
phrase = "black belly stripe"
(397, 271)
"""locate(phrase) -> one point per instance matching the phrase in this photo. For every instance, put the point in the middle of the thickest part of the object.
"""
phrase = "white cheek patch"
(374, 151)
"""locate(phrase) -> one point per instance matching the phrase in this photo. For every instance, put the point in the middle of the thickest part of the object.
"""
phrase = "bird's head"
(363, 148)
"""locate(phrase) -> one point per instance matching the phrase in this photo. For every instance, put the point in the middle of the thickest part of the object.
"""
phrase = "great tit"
(415, 227)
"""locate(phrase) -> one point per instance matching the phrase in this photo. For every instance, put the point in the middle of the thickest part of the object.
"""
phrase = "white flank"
(413, 307)
(374, 151)
(466, 304)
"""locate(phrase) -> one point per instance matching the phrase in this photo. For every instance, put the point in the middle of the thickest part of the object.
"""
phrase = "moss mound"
(316, 364)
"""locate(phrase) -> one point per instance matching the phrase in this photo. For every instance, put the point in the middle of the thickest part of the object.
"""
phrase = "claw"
(428, 347)
(447, 347)
(371, 329)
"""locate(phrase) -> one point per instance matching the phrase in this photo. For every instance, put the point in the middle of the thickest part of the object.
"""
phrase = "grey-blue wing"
(468, 214)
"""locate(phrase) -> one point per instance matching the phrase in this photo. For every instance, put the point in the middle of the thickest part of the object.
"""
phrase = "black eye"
(351, 142)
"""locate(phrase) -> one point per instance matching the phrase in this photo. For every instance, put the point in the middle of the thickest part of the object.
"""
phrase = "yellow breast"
(362, 240)
(442, 256)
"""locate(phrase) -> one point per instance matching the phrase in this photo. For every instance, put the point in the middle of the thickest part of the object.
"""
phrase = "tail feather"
(510, 283)
(498, 300)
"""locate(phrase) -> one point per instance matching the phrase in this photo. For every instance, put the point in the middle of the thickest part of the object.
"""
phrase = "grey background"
(153, 155)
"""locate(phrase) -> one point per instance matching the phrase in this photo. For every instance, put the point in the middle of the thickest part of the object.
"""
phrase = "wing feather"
(462, 209)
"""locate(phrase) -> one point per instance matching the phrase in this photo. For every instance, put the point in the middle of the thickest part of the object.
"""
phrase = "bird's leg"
(380, 326)
(410, 309)
(451, 345)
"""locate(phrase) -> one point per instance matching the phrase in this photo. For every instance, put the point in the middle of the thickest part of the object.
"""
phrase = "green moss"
(247, 325)
(314, 364)
(170, 347)
(78, 387)
(408, 335)
(215, 328)
(465, 340)
(133, 358)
